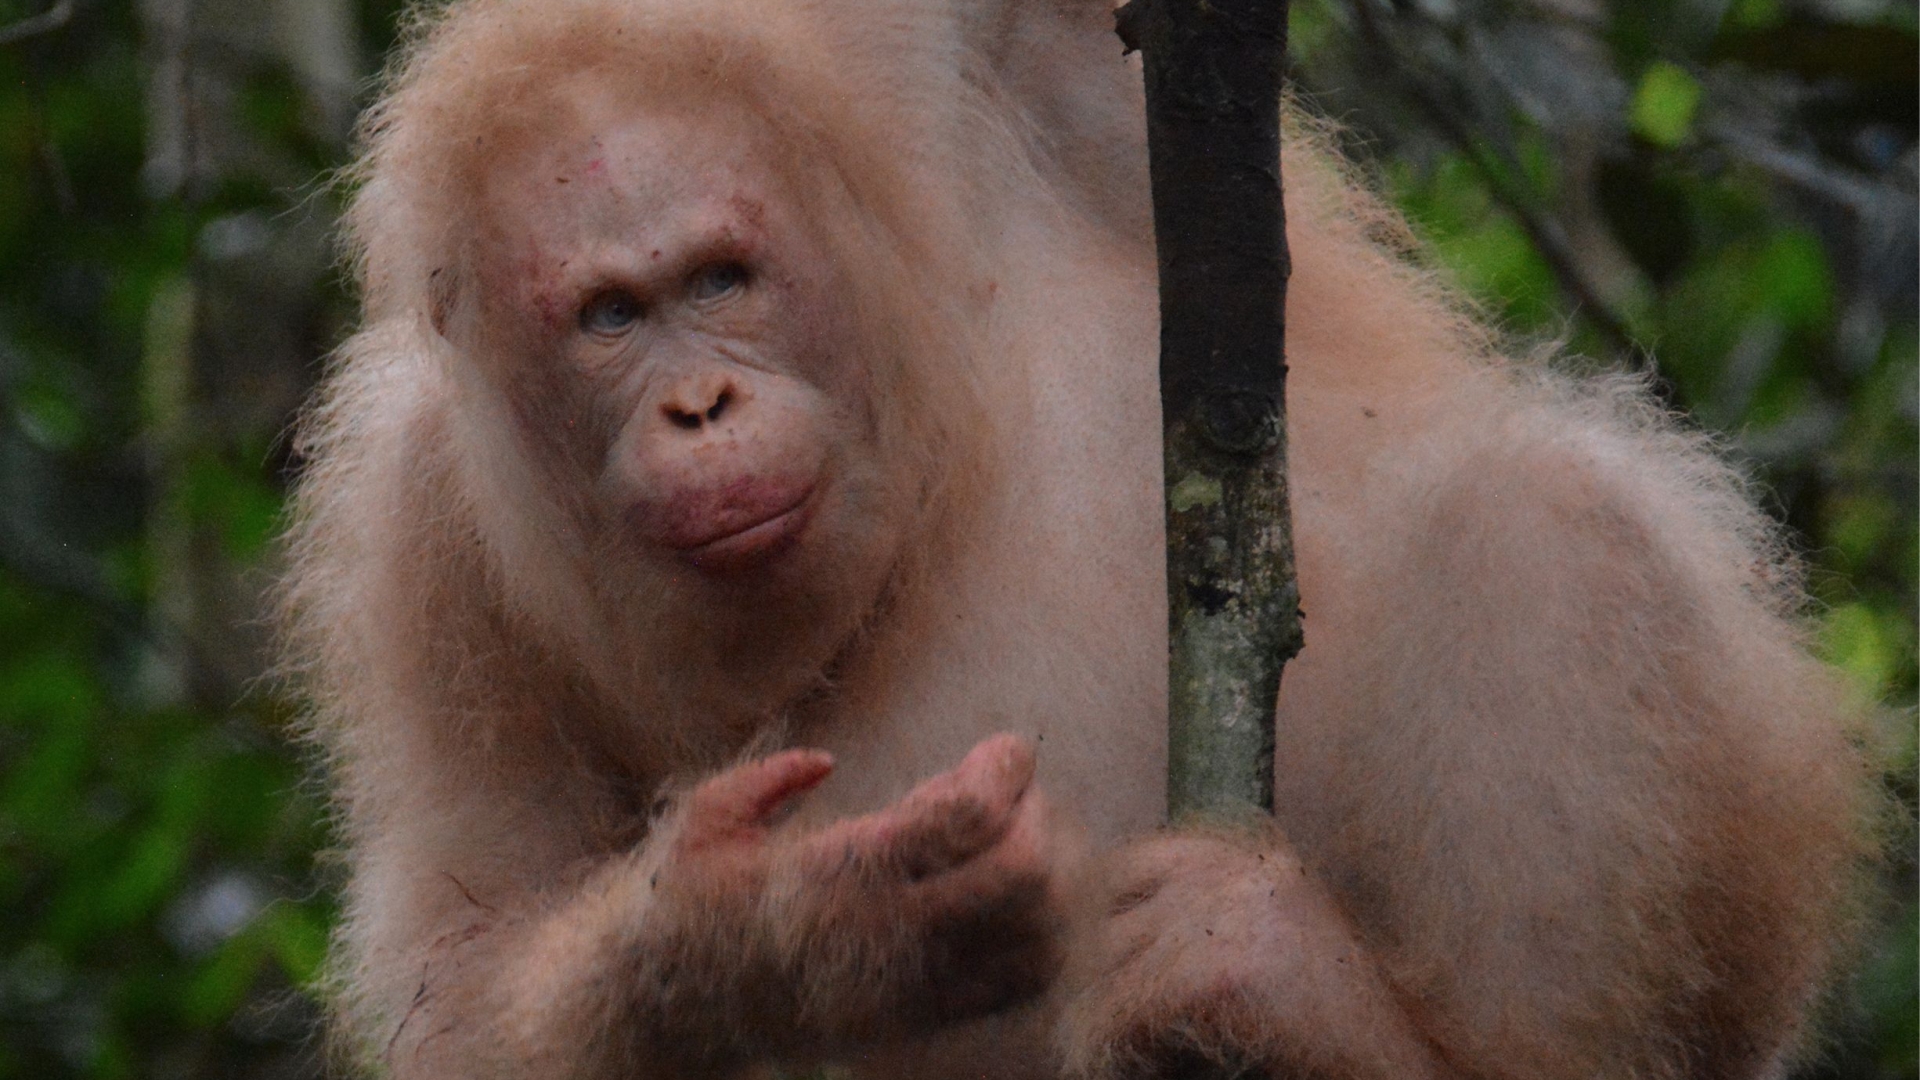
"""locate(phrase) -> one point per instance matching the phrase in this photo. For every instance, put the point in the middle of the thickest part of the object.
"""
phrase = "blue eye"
(718, 280)
(611, 313)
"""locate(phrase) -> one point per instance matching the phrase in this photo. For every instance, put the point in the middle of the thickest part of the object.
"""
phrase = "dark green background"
(1728, 184)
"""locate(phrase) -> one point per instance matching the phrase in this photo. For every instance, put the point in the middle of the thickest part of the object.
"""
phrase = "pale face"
(664, 314)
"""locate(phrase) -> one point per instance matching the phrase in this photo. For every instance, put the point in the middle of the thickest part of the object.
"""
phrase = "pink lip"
(756, 543)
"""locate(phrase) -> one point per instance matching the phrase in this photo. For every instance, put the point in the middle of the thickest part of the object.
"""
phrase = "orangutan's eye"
(719, 280)
(611, 313)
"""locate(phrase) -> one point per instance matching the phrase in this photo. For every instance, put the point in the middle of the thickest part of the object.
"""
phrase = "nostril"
(699, 402)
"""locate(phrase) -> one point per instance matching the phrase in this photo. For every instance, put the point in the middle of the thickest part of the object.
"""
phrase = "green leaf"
(1861, 525)
(1664, 105)
(297, 936)
(39, 796)
(134, 878)
(49, 414)
(240, 504)
(219, 988)
(1866, 645)
(1312, 26)
(1792, 281)
(53, 684)
(1755, 14)
(1489, 253)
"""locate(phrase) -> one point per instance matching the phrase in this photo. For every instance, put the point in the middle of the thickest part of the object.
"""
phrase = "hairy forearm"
(549, 987)
(720, 941)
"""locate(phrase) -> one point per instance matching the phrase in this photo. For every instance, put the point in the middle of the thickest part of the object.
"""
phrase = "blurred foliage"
(1728, 185)
(165, 293)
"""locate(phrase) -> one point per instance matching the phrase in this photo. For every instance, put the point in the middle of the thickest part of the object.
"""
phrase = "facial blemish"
(548, 307)
(545, 291)
(752, 212)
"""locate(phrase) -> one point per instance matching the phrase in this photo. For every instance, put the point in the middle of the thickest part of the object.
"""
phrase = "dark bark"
(1213, 76)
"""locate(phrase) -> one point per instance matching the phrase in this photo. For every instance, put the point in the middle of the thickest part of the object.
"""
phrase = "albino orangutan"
(729, 576)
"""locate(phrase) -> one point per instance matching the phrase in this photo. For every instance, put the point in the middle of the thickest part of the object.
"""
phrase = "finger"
(998, 770)
(942, 822)
(952, 817)
(1013, 864)
(747, 795)
(994, 926)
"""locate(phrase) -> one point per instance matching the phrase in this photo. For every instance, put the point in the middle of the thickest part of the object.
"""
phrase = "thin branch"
(54, 18)
(1549, 237)
(1213, 76)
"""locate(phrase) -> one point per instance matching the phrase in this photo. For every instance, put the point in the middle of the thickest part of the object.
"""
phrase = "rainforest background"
(1726, 185)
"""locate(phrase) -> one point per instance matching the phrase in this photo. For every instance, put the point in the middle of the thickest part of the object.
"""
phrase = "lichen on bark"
(1233, 620)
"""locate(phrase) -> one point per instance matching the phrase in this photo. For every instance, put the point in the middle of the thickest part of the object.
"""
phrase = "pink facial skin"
(733, 527)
